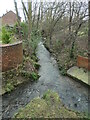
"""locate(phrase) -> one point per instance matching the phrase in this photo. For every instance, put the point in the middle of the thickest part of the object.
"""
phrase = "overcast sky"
(6, 5)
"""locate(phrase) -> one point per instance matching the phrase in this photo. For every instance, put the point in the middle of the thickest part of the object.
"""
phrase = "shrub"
(5, 36)
(36, 65)
(25, 74)
(9, 87)
(63, 71)
(34, 76)
(35, 38)
(24, 29)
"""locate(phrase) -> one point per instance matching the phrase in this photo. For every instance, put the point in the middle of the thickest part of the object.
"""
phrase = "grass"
(49, 106)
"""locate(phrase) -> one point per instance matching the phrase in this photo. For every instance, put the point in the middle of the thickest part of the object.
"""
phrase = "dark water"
(73, 94)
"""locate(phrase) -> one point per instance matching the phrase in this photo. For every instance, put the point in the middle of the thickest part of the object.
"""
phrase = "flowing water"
(73, 94)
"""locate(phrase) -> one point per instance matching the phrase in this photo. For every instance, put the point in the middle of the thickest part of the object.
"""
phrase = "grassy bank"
(49, 106)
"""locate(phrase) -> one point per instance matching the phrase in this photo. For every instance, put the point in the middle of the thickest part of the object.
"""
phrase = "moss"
(50, 106)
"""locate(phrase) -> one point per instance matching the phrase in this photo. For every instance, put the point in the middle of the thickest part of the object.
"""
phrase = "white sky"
(6, 5)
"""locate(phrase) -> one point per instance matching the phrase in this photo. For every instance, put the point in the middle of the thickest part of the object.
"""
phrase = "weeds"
(34, 76)
(9, 87)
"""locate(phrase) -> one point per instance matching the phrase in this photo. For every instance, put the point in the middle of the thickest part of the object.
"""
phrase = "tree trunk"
(29, 19)
(38, 18)
(18, 20)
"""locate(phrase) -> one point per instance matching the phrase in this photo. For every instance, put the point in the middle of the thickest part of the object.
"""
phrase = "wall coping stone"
(8, 45)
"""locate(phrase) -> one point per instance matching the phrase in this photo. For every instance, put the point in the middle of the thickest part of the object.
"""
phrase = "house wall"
(9, 18)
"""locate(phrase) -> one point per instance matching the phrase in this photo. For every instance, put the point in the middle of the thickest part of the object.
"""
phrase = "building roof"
(9, 12)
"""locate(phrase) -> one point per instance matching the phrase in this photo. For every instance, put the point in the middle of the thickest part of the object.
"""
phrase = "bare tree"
(18, 19)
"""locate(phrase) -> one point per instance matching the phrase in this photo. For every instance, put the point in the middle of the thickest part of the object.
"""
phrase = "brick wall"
(83, 62)
(12, 55)
(9, 18)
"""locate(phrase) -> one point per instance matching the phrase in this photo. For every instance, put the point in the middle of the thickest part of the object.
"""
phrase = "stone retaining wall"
(12, 55)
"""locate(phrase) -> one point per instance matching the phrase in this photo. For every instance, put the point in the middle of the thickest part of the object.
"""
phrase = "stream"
(72, 93)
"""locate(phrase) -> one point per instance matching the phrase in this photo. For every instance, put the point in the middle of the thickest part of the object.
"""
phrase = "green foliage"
(34, 58)
(29, 75)
(35, 38)
(63, 71)
(15, 28)
(34, 76)
(24, 29)
(83, 31)
(36, 65)
(25, 74)
(0, 35)
(5, 36)
(9, 87)
(51, 97)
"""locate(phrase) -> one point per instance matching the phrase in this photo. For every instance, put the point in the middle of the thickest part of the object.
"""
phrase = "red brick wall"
(12, 55)
(9, 18)
(83, 62)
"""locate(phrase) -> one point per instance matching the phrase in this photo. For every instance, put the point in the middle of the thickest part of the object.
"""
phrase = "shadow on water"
(73, 94)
